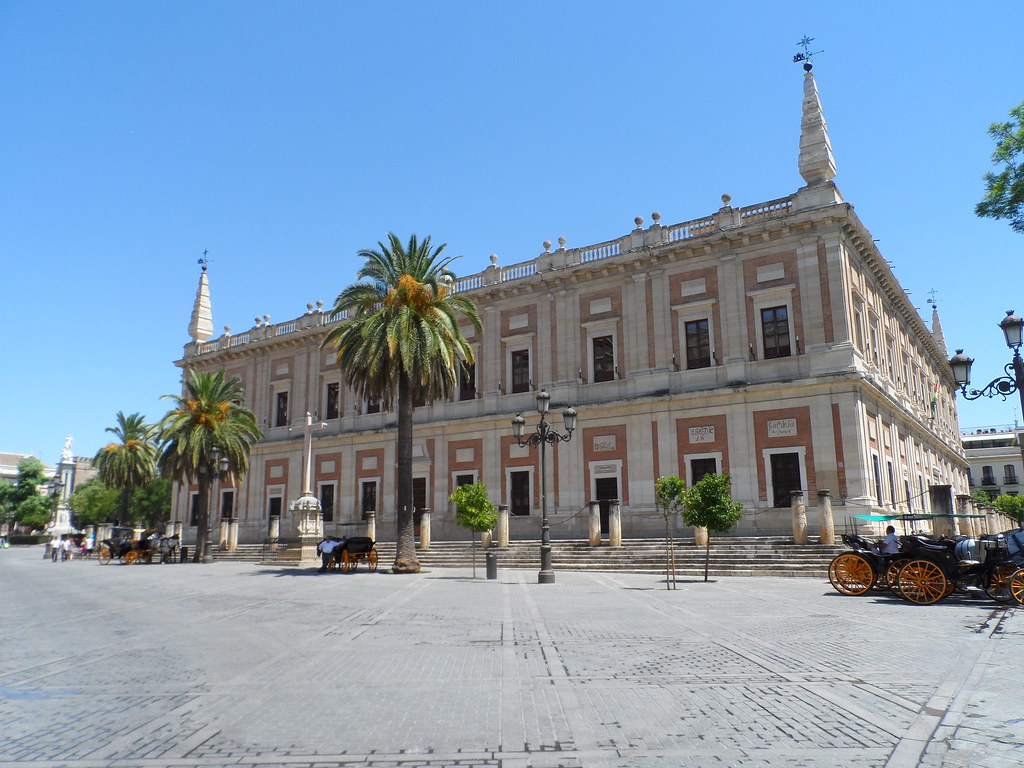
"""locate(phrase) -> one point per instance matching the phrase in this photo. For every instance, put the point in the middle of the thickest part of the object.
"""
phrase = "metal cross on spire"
(808, 55)
(932, 294)
(205, 259)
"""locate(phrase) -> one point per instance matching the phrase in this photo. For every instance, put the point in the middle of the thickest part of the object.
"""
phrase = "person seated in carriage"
(890, 544)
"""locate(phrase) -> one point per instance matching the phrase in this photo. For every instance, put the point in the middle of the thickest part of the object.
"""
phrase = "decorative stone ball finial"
(319, 305)
(227, 330)
(561, 241)
(726, 198)
(639, 221)
(656, 217)
(258, 320)
(494, 259)
(266, 319)
(547, 245)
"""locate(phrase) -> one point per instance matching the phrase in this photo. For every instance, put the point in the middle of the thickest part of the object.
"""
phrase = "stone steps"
(730, 556)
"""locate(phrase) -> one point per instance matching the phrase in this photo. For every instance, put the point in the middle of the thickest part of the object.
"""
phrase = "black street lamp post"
(544, 435)
(1002, 386)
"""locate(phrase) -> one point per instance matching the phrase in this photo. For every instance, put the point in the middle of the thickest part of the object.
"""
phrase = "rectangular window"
(906, 489)
(193, 518)
(372, 405)
(701, 467)
(988, 477)
(604, 358)
(369, 497)
(698, 344)
(281, 410)
(327, 502)
(519, 493)
(1009, 475)
(877, 468)
(333, 404)
(521, 371)
(775, 332)
(464, 480)
(227, 505)
(467, 382)
(892, 483)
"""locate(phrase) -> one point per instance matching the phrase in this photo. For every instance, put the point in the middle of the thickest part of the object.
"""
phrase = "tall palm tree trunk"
(202, 519)
(405, 542)
(122, 513)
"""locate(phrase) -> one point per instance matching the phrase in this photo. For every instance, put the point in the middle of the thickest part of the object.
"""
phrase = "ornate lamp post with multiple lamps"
(544, 435)
(1003, 386)
(1012, 326)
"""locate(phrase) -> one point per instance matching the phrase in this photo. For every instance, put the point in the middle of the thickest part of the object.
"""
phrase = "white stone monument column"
(307, 506)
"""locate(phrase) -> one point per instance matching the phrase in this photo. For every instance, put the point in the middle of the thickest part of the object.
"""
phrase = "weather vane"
(932, 294)
(808, 55)
(205, 259)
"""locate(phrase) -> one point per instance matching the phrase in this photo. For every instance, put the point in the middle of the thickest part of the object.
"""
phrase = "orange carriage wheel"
(103, 554)
(348, 562)
(371, 559)
(130, 557)
(1017, 586)
(923, 582)
(997, 582)
(851, 574)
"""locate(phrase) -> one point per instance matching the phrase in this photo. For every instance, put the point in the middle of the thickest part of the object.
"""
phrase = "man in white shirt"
(326, 551)
(890, 544)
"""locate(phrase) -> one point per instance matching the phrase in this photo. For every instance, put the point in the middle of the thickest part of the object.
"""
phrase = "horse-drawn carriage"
(352, 551)
(926, 570)
(122, 547)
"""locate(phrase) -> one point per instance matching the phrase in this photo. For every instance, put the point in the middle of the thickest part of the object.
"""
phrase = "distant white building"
(9, 466)
(996, 464)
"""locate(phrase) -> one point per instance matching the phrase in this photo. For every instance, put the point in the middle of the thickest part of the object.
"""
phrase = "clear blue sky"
(284, 137)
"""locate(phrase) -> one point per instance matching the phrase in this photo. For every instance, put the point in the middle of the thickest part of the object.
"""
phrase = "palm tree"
(128, 463)
(400, 344)
(207, 435)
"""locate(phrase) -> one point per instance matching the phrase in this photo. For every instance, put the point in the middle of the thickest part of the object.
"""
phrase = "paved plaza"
(233, 664)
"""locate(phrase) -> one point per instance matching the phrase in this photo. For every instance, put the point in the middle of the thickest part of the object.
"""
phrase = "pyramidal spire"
(817, 165)
(201, 326)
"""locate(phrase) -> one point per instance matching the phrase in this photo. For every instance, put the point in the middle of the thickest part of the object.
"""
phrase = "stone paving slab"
(233, 664)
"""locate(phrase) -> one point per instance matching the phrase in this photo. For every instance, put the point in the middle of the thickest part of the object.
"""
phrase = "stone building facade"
(771, 342)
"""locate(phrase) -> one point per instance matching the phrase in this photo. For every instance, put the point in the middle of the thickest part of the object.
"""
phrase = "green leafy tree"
(151, 503)
(7, 504)
(668, 497)
(709, 504)
(400, 344)
(210, 415)
(982, 497)
(30, 508)
(1004, 191)
(473, 510)
(1011, 506)
(128, 463)
(93, 503)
